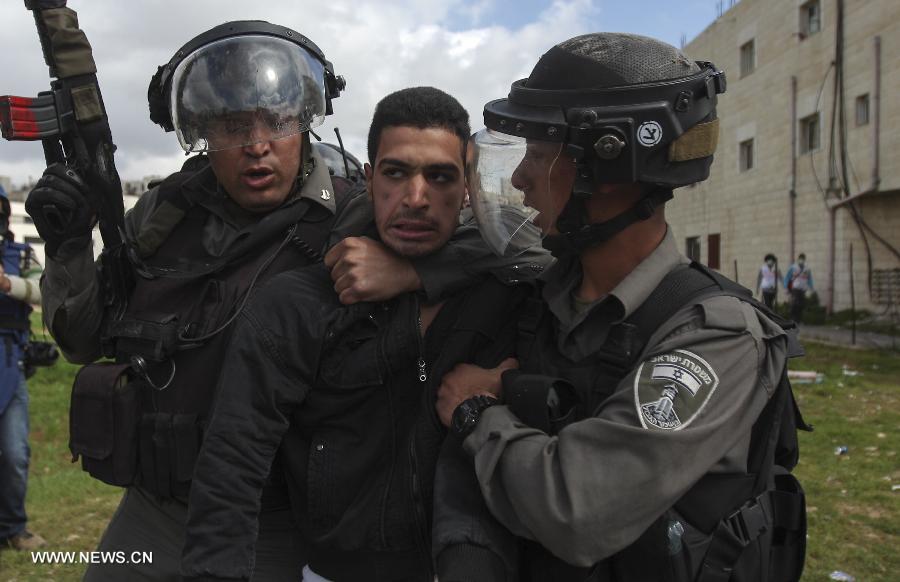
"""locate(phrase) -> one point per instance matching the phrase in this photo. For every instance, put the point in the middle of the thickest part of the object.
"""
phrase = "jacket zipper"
(390, 476)
(418, 509)
(419, 518)
(423, 373)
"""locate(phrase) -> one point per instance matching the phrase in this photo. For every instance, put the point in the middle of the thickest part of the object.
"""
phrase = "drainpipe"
(792, 195)
(829, 291)
(876, 119)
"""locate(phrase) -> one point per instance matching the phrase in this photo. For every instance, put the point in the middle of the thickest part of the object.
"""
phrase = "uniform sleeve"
(71, 295)
(459, 264)
(686, 410)
(72, 310)
(354, 217)
(467, 541)
(257, 390)
(466, 258)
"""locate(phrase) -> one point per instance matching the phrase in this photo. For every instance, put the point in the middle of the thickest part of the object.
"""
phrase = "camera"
(39, 354)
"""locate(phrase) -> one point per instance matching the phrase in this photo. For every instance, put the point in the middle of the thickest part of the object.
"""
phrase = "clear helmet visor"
(511, 190)
(244, 90)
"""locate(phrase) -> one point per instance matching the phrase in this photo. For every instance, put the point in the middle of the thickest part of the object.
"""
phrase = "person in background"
(799, 282)
(18, 290)
(767, 280)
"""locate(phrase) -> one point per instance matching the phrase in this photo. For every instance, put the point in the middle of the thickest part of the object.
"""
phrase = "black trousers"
(769, 297)
(145, 525)
(798, 303)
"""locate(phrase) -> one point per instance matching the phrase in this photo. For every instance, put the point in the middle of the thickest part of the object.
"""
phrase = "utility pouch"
(542, 402)
(169, 445)
(154, 337)
(789, 528)
(103, 421)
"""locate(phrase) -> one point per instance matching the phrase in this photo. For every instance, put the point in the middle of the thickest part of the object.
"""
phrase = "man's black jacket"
(342, 387)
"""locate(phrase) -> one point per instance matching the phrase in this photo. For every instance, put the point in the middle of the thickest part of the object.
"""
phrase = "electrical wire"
(838, 112)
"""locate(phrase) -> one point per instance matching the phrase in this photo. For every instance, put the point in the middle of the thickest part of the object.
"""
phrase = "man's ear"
(367, 168)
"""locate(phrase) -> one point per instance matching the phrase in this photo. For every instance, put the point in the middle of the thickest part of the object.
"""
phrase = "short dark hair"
(801, 256)
(422, 108)
(770, 256)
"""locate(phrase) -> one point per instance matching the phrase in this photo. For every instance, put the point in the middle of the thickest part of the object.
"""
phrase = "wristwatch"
(466, 415)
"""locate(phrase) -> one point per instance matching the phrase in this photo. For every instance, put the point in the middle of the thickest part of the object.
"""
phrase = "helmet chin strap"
(576, 234)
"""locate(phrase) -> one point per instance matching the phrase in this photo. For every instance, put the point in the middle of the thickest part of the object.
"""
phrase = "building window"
(886, 286)
(809, 133)
(748, 58)
(692, 248)
(810, 18)
(862, 109)
(712, 251)
(745, 157)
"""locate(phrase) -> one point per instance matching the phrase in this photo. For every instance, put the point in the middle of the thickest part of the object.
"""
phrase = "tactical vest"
(735, 528)
(15, 324)
(149, 410)
(13, 312)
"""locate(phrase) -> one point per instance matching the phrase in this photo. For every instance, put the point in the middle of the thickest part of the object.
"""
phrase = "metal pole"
(832, 261)
(735, 272)
(792, 195)
(852, 302)
(876, 119)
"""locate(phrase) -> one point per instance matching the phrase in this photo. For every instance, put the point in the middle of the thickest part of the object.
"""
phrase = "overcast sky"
(472, 49)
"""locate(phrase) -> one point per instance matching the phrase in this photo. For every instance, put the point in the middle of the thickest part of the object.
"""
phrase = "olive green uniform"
(685, 411)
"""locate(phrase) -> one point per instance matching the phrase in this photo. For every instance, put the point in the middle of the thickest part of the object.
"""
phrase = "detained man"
(344, 396)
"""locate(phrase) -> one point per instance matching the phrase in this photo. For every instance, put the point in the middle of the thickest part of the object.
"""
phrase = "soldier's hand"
(467, 380)
(365, 270)
(59, 207)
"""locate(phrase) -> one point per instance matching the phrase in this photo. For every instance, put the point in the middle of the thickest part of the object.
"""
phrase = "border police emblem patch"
(671, 389)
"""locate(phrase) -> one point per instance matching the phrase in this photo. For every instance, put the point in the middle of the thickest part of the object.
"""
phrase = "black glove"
(59, 207)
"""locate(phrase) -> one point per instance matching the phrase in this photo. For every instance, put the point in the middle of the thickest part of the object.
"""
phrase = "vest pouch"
(103, 420)
(662, 553)
(788, 551)
(154, 336)
(169, 445)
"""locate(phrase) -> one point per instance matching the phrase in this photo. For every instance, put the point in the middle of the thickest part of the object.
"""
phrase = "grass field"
(854, 516)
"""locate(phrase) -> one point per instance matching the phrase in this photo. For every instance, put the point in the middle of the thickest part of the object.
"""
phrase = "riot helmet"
(624, 108)
(340, 162)
(241, 83)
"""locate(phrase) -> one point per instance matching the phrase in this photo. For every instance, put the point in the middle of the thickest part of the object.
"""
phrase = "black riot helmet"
(240, 83)
(625, 108)
(340, 162)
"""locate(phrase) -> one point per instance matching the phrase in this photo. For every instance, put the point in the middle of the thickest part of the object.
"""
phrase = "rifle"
(70, 121)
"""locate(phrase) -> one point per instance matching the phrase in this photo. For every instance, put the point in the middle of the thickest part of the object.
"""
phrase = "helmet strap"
(576, 234)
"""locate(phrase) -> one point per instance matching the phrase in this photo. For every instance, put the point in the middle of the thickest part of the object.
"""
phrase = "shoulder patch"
(671, 389)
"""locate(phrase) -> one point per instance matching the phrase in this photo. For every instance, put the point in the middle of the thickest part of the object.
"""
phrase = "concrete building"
(811, 105)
